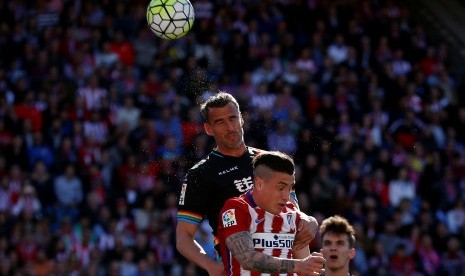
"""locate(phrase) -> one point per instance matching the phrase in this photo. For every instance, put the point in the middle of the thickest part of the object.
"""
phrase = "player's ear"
(208, 129)
(241, 119)
(258, 182)
(352, 253)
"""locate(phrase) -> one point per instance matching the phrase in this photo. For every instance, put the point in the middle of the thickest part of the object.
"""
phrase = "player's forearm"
(192, 251)
(241, 246)
(260, 262)
(301, 253)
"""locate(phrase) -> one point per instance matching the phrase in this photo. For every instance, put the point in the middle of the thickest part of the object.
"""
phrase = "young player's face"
(225, 125)
(275, 191)
(336, 251)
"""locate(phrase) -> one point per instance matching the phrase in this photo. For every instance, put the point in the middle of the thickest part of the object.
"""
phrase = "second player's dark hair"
(275, 160)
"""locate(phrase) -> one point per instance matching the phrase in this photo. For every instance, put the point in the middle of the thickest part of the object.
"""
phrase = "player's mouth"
(231, 136)
(333, 257)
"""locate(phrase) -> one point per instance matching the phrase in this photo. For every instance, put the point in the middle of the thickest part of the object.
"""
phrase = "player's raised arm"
(306, 231)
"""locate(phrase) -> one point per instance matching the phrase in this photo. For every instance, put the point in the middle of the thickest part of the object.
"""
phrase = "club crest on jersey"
(183, 194)
(229, 218)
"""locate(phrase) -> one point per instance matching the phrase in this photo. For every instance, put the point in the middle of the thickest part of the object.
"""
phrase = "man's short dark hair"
(275, 160)
(339, 225)
(220, 99)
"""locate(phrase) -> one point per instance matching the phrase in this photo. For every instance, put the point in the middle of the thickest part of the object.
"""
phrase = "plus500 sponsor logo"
(273, 241)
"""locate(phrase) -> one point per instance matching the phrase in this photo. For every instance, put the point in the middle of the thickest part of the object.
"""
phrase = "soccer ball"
(170, 19)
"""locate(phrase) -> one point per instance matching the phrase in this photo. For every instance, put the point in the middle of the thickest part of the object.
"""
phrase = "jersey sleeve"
(233, 218)
(192, 200)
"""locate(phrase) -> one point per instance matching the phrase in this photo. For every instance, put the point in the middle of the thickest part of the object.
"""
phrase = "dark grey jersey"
(212, 181)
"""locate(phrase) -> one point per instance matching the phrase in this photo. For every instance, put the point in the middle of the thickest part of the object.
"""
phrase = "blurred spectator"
(128, 113)
(92, 93)
(401, 187)
(263, 99)
(165, 252)
(40, 150)
(27, 110)
(453, 260)
(282, 139)
(128, 266)
(145, 214)
(378, 261)
(96, 129)
(122, 47)
(6, 136)
(17, 153)
(28, 205)
(338, 51)
(429, 257)
(104, 56)
(401, 262)
(456, 217)
(27, 249)
(69, 192)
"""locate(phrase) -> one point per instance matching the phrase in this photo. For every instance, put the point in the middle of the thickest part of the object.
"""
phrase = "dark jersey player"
(208, 185)
(226, 172)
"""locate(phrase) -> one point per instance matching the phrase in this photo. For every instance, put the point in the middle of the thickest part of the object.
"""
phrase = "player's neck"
(232, 152)
(342, 272)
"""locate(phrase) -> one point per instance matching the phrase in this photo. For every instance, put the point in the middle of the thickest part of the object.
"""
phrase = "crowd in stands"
(99, 122)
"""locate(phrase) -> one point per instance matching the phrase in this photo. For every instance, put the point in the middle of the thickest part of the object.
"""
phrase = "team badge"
(229, 218)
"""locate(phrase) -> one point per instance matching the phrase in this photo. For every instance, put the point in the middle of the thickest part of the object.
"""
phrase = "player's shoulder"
(236, 202)
(208, 160)
(254, 151)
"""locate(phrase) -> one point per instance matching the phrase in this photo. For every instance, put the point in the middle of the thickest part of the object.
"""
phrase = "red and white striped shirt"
(272, 234)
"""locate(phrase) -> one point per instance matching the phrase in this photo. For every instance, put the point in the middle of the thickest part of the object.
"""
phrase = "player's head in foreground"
(223, 121)
(338, 239)
(273, 180)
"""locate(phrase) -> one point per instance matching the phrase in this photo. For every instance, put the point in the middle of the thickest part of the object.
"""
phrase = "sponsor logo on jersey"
(244, 184)
(270, 240)
(229, 218)
(183, 194)
(228, 170)
(257, 221)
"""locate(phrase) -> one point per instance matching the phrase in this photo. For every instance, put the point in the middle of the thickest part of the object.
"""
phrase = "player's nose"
(230, 125)
(285, 195)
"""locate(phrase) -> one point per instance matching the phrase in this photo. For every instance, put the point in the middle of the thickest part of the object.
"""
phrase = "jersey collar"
(249, 196)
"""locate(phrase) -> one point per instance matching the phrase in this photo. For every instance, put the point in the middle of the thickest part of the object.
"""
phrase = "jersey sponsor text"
(228, 170)
(270, 240)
